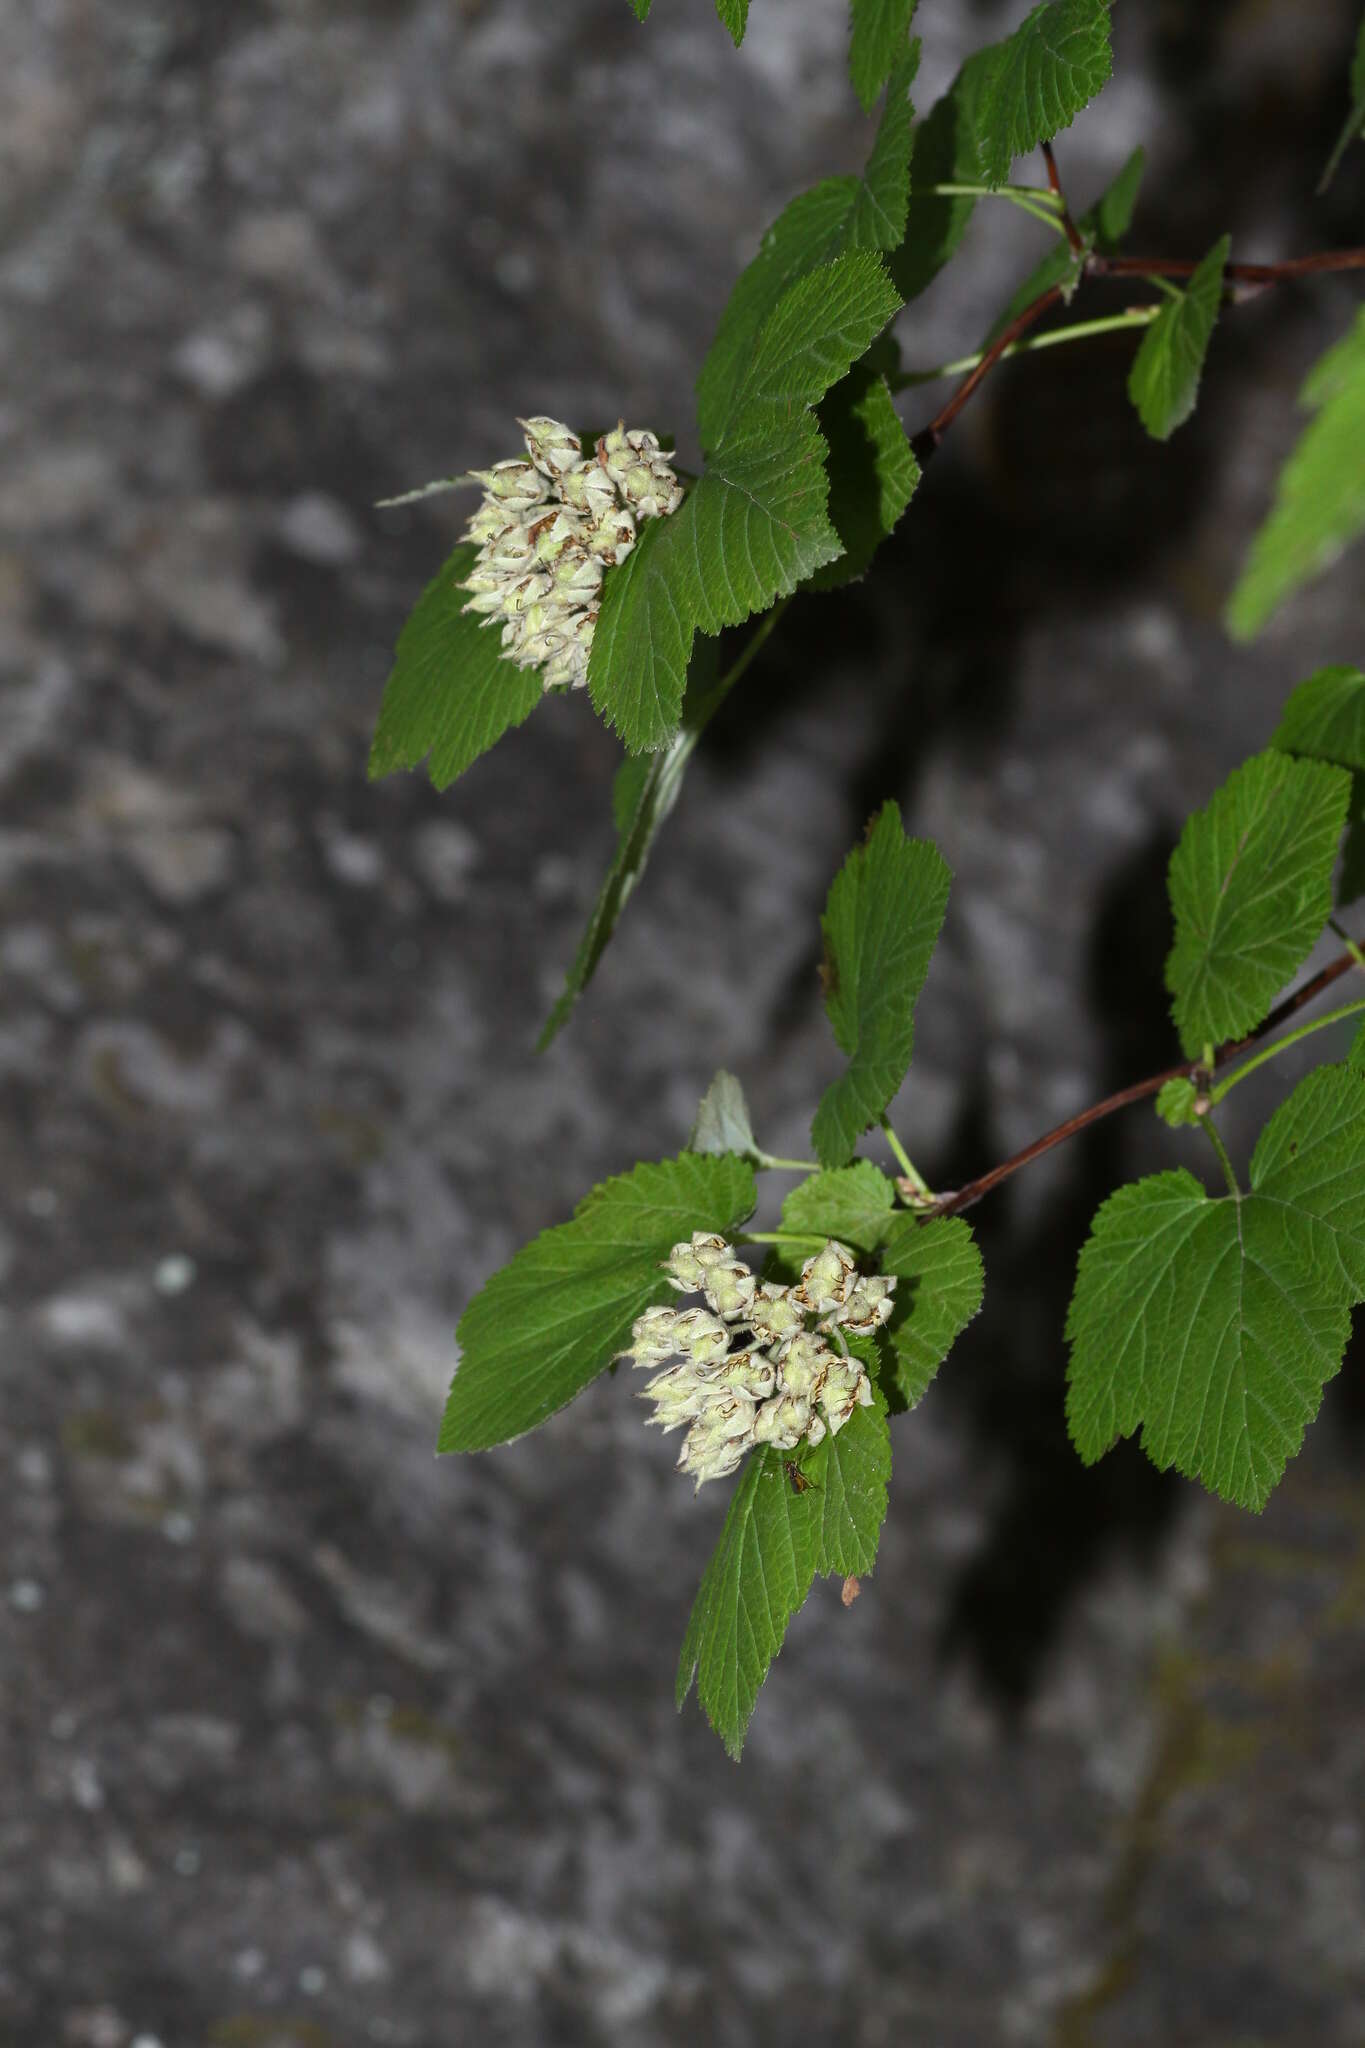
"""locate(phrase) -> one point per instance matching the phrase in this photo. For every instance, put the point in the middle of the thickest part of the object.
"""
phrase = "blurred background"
(306, 1737)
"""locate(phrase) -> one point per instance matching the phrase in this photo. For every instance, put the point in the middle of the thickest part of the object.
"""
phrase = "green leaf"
(1036, 81)
(852, 1204)
(1250, 886)
(1213, 1323)
(1324, 720)
(941, 1285)
(450, 694)
(1175, 1102)
(551, 1320)
(1355, 120)
(962, 140)
(840, 215)
(880, 925)
(1164, 381)
(872, 472)
(1102, 226)
(755, 525)
(1320, 498)
(734, 15)
(776, 1538)
(722, 1123)
(643, 794)
(848, 1476)
(880, 30)
(642, 8)
(759, 1574)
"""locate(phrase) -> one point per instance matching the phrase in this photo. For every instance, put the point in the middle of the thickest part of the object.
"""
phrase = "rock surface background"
(308, 1738)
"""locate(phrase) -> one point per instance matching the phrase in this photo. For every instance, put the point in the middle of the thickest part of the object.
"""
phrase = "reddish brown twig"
(1054, 178)
(1093, 264)
(925, 442)
(963, 1198)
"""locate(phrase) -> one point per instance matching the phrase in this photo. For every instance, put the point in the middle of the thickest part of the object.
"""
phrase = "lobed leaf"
(1320, 497)
(1325, 721)
(872, 471)
(1011, 93)
(941, 1286)
(555, 1316)
(450, 694)
(853, 1204)
(755, 525)
(1164, 380)
(1250, 886)
(848, 1475)
(1213, 1324)
(1035, 82)
(775, 1539)
(880, 32)
(880, 926)
(759, 1575)
(839, 215)
(722, 1123)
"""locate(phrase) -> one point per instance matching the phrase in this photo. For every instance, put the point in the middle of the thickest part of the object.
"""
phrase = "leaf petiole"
(1081, 330)
(904, 1161)
(1268, 1052)
(1206, 1124)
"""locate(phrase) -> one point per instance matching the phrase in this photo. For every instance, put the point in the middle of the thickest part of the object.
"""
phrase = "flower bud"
(826, 1279)
(589, 490)
(491, 521)
(577, 575)
(782, 1422)
(715, 1444)
(514, 483)
(869, 1304)
(653, 1337)
(553, 447)
(688, 1264)
(635, 465)
(523, 592)
(555, 531)
(613, 537)
(846, 1387)
(730, 1288)
(745, 1372)
(803, 1364)
(511, 552)
(773, 1312)
(679, 1394)
(704, 1338)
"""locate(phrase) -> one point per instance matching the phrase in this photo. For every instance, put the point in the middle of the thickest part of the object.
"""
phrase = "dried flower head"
(549, 528)
(751, 1369)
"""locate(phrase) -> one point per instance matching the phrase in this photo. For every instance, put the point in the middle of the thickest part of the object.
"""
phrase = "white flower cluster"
(751, 1370)
(549, 529)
